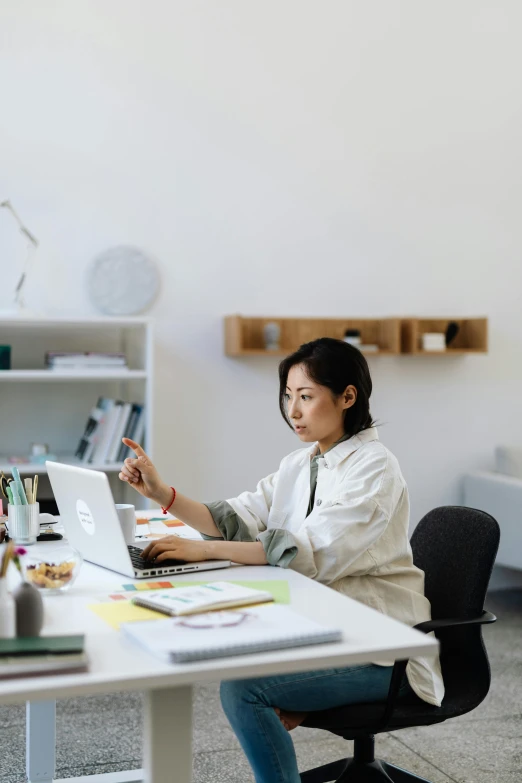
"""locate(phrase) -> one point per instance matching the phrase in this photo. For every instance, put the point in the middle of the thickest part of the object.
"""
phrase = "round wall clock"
(122, 281)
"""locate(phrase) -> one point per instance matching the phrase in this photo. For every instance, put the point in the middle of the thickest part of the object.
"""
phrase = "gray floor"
(98, 735)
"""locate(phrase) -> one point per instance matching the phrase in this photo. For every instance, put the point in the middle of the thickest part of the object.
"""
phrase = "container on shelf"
(353, 337)
(433, 341)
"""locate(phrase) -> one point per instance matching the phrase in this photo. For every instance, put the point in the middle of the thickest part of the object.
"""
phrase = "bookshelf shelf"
(52, 376)
(31, 468)
(39, 405)
(80, 322)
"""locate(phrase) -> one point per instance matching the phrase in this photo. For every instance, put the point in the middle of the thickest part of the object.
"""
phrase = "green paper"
(278, 588)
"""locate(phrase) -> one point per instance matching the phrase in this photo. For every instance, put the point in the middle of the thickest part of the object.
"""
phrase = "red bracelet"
(171, 502)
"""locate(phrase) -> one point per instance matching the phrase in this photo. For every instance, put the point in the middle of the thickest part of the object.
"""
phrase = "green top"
(314, 469)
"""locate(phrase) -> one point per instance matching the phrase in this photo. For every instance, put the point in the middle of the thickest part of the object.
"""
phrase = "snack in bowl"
(50, 574)
(52, 569)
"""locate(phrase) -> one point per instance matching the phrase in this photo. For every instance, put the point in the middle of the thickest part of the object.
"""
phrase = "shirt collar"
(343, 448)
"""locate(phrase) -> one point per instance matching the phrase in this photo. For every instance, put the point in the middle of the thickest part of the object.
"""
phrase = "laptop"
(89, 516)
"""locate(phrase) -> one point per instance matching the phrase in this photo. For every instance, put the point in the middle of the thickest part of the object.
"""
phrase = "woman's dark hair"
(336, 365)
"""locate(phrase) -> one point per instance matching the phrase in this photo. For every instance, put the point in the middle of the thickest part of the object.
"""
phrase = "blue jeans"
(249, 707)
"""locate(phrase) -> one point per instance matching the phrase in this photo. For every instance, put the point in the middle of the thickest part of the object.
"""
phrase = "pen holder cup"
(23, 523)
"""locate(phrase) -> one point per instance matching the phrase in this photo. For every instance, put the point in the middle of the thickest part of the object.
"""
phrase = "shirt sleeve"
(244, 517)
(336, 540)
(279, 546)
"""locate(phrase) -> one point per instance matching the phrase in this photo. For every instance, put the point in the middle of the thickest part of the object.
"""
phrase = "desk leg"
(167, 749)
(40, 740)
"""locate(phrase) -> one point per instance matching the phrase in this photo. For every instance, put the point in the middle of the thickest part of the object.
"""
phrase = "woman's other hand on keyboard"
(175, 548)
(141, 474)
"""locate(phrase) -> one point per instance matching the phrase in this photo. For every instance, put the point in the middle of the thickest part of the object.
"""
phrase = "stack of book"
(110, 421)
(85, 360)
(29, 655)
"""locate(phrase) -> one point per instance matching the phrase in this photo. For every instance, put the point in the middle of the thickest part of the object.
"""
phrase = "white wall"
(281, 157)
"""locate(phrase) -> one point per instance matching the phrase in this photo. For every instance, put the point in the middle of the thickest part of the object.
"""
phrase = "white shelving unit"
(49, 406)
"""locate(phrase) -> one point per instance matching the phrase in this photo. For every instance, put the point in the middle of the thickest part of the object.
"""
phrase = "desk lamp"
(33, 244)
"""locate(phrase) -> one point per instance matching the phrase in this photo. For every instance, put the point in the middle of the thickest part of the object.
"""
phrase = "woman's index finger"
(134, 446)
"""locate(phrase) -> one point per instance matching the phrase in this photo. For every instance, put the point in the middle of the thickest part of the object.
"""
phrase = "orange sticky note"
(174, 523)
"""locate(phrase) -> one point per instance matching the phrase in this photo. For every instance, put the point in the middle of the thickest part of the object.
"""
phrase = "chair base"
(352, 771)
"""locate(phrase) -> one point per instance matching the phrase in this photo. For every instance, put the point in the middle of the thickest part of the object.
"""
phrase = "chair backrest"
(456, 548)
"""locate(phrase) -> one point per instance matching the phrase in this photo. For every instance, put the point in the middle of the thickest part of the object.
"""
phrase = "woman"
(338, 513)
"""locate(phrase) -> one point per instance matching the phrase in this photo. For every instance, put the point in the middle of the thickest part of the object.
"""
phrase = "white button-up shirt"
(355, 540)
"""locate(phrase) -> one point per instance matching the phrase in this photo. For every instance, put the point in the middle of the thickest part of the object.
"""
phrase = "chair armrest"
(399, 667)
(435, 625)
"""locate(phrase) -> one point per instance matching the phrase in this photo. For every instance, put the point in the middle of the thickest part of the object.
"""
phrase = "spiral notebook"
(220, 634)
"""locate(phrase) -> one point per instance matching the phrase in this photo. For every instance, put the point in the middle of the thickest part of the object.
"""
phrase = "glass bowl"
(52, 569)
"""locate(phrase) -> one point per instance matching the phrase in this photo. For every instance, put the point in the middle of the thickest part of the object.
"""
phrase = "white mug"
(127, 516)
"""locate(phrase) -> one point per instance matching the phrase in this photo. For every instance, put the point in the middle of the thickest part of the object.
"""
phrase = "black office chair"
(456, 548)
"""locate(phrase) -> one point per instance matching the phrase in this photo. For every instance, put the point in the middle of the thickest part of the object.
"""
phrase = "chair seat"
(361, 719)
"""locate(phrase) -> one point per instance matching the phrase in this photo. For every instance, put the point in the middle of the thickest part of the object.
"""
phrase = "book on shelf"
(108, 422)
(57, 360)
(88, 440)
(37, 655)
(134, 430)
(119, 430)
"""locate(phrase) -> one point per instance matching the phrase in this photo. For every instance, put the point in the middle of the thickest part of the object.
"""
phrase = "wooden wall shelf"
(244, 336)
(394, 336)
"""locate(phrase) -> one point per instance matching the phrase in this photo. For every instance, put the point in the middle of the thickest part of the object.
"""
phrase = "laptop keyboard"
(146, 565)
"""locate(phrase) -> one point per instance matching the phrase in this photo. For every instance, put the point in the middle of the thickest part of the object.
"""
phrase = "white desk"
(118, 665)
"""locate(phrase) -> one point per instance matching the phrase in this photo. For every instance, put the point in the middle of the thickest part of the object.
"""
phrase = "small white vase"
(7, 612)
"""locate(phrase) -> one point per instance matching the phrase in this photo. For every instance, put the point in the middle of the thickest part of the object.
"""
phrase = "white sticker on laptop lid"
(85, 516)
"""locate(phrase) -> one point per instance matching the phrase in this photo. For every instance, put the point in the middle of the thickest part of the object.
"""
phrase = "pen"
(13, 494)
(19, 486)
(29, 490)
(35, 487)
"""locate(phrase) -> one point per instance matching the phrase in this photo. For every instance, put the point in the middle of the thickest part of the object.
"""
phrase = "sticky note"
(124, 612)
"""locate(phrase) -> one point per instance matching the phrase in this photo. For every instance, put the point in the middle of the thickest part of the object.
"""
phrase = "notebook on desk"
(220, 634)
(202, 598)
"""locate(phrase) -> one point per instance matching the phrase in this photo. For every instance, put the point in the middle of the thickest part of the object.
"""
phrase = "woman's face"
(314, 412)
